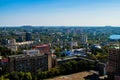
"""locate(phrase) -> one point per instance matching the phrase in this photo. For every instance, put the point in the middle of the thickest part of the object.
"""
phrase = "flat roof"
(40, 46)
(23, 55)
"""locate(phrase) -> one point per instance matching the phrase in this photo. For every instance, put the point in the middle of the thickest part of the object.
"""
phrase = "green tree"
(13, 76)
(27, 76)
(21, 75)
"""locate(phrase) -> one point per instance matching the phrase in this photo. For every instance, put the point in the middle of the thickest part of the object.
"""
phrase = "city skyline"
(59, 12)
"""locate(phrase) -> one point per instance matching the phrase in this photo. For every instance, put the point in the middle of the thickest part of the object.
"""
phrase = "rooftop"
(44, 45)
(114, 37)
(4, 60)
(23, 55)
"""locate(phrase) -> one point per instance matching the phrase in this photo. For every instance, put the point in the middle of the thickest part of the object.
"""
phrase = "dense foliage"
(4, 51)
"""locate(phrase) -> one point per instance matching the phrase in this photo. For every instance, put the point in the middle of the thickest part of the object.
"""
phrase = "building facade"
(28, 36)
(113, 66)
(20, 38)
(30, 63)
(11, 42)
(13, 47)
(31, 52)
(83, 39)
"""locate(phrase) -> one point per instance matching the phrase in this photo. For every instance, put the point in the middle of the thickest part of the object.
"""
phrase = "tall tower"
(20, 38)
(28, 36)
(113, 66)
(83, 39)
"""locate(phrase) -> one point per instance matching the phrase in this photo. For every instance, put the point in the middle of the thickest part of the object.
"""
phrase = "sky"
(60, 12)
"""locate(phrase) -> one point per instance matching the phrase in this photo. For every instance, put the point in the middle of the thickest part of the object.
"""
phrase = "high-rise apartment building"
(28, 36)
(113, 66)
(83, 39)
(30, 63)
(20, 38)
(113, 63)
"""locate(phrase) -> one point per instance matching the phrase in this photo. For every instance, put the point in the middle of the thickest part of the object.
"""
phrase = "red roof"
(4, 60)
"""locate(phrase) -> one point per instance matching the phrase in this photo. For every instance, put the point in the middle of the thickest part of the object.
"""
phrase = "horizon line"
(58, 26)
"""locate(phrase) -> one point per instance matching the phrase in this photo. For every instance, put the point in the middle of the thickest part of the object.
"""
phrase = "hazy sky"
(60, 12)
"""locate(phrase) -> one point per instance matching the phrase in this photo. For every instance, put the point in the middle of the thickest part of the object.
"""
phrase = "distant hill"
(27, 26)
(108, 26)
